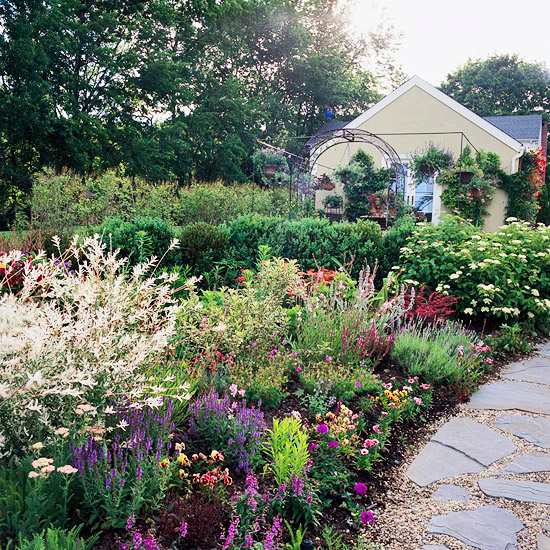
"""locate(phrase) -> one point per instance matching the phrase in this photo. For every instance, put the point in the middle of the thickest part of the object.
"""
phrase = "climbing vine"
(469, 185)
(525, 186)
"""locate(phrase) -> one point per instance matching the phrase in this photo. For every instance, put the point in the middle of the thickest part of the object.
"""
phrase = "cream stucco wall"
(409, 124)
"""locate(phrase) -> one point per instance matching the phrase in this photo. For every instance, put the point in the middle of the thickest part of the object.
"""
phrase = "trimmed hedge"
(220, 252)
(313, 242)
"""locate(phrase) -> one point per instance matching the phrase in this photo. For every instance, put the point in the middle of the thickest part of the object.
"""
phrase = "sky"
(437, 36)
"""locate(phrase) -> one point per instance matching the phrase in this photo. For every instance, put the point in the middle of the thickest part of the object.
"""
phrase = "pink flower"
(425, 386)
(233, 389)
(488, 361)
(328, 359)
(388, 386)
(298, 370)
(360, 488)
(242, 393)
(312, 446)
(368, 443)
(364, 451)
(412, 380)
(376, 429)
(367, 517)
(418, 401)
(384, 413)
(333, 444)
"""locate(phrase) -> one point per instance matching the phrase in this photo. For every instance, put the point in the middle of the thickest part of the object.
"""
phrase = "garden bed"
(143, 412)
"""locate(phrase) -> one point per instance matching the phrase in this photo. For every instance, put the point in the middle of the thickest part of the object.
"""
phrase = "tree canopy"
(170, 89)
(501, 85)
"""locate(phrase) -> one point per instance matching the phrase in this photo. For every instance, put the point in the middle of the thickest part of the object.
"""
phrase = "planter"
(324, 183)
(269, 170)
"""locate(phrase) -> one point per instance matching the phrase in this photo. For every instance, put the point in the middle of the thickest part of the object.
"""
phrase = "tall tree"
(501, 84)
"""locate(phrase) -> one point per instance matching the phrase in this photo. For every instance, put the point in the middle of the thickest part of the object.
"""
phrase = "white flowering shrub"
(82, 331)
(504, 276)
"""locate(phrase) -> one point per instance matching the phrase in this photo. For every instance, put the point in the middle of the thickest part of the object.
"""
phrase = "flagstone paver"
(528, 464)
(486, 527)
(535, 370)
(508, 395)
(460, 446)
(524, 491)
(451, 492)
(535, 429)
(543, 542)
(435, 547)
(437, 462)
(475, 440)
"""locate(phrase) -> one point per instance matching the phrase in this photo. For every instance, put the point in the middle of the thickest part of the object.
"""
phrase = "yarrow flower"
(333, 444)
(322, 428)
(360, 488)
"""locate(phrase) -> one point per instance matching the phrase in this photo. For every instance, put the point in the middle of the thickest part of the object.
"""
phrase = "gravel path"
(492, 459)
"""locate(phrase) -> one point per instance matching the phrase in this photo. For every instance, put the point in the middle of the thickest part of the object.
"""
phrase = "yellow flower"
(164, 463)
(183, 459)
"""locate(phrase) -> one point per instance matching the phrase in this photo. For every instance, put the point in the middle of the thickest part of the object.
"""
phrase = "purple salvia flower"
(231, 533)
(273, 534)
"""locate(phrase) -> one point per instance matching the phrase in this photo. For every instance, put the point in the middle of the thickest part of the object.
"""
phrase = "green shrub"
(217, 203)
(503, 276)
(139, 238)
(57, 539)
(201, 244)
(393, 240)
(312, 242)
(61, 203)
(510, 340)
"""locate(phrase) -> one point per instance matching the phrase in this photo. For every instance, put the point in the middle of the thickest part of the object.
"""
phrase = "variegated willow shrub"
(82, 332)
(502, 276)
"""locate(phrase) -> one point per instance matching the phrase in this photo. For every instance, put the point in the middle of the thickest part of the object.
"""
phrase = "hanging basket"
(269, 170)
(324, 183)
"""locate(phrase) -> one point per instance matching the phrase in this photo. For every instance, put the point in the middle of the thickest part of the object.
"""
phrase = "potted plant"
(270, 167)
(466, 167)
(324, 183)
(431, 161)
(333, 201)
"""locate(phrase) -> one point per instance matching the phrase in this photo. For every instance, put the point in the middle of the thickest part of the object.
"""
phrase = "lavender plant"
(121, 477)
(228, 425)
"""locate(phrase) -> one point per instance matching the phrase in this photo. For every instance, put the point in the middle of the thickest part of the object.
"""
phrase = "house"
(411, 118)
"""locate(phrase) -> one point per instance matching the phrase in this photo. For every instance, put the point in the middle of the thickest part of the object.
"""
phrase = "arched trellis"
(322, 142)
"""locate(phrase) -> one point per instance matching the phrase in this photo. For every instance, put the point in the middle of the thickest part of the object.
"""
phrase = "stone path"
(483, 478)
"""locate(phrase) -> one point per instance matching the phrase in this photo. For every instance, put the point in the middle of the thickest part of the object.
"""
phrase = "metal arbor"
(323, 141)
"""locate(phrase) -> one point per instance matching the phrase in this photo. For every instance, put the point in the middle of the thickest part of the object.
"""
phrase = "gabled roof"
(520, 127)
(446, 100)
(328, 127)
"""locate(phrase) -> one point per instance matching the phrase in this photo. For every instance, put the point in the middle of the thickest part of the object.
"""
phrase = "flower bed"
(252, 417)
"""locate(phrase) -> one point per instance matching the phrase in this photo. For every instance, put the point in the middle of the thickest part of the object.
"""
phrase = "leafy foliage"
(500, 85)
(361, 181)
(287, 448)
(501, 276)
(469, 185)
